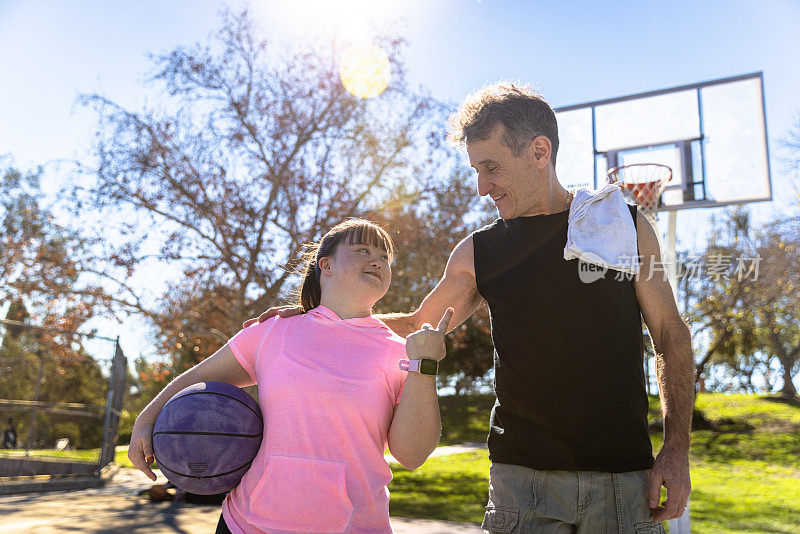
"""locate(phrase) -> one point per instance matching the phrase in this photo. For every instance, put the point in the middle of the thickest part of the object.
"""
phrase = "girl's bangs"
(370, 235)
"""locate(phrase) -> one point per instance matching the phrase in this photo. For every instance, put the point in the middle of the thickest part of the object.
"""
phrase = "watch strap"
(423, 366)
(412, 366)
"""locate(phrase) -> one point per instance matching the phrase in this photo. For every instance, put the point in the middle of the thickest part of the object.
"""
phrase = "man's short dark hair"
(521, 110)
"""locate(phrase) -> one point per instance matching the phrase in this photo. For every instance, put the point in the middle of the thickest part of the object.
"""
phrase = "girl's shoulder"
(394, 345)
(386, 334)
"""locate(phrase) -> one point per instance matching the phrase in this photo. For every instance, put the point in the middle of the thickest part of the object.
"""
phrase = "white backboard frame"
(713, 134)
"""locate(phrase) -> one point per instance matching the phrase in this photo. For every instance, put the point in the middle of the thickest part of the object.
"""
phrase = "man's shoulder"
(462, 254)
(634, 213)
(487, 234)
(494, 225)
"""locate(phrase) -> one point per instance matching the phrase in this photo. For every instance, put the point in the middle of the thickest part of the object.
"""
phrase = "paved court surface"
(116, 508)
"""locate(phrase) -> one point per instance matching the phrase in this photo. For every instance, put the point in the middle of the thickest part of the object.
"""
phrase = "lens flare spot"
(365, 71)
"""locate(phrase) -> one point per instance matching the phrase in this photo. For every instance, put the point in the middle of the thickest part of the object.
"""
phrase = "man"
(568, 440)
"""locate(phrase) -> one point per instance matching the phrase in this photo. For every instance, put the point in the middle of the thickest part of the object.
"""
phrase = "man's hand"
(429, 342)
(671, 469)
(283, 311)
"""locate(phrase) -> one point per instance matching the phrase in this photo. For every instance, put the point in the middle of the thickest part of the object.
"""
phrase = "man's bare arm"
(457, 289)
(671, 340)
(672, 343)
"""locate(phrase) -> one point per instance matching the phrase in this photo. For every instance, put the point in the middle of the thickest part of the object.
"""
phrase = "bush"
(126, 421)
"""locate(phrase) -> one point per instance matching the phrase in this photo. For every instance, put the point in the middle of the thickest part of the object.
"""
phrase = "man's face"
(508, 180)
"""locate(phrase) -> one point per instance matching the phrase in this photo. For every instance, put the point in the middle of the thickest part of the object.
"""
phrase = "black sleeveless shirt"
(568, 357)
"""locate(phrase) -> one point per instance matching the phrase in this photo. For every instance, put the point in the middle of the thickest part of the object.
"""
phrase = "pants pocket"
(302, 494)
(649, 527)
(500, 520)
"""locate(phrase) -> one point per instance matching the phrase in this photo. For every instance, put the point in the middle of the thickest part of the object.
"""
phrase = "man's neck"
(554, 202)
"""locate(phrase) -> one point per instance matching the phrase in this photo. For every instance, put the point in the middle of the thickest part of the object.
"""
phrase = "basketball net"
(642, 184)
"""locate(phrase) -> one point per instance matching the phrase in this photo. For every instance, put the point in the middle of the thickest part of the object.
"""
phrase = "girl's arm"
(222, 366)
(416, 426)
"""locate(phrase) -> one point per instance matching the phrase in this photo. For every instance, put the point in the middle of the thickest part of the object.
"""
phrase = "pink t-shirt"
(327, 388)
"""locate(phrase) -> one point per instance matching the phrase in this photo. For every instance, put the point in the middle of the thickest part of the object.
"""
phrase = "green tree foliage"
(66, 374)
(721, 302)
(18, 367)
(747, 313)
(779, 289)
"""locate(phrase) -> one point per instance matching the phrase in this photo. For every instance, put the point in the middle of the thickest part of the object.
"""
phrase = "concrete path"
(117, 508)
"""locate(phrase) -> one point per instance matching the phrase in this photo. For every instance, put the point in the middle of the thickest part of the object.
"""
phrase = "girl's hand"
(428, 342)
(140, 451)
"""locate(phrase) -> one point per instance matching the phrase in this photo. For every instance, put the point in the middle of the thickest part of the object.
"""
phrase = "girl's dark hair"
(351, 231)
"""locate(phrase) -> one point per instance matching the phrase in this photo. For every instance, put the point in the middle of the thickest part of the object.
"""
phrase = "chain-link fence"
(61, 394)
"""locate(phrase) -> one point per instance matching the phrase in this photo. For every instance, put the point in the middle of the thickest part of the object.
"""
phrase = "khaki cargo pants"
(530, 501)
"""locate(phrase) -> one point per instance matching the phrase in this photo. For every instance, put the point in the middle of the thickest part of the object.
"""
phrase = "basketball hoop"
(642, 183)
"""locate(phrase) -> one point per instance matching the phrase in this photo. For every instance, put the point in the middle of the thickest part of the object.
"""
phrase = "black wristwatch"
(423, 366)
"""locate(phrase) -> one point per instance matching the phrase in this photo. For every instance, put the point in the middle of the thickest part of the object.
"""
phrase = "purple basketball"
(206, 437)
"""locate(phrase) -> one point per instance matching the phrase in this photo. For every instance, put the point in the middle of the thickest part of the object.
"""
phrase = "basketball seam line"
(260, 434)
(260, 417)
(162, 466)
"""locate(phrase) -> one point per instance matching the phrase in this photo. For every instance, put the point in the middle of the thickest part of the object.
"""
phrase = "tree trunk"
(701, 365)
(788, 389)
(787, 359)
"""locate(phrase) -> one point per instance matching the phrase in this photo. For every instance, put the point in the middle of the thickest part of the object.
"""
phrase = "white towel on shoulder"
(600, 230)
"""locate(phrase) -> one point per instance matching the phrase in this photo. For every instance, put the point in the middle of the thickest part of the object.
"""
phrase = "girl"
(333, 395)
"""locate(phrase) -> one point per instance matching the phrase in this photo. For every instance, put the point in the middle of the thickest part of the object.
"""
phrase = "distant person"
(333, 395)
(10, 435)
(568, 437)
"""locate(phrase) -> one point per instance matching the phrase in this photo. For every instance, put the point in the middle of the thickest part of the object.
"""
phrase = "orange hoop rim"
(650, 176)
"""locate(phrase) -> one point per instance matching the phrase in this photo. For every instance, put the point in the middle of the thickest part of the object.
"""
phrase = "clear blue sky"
(573, 51)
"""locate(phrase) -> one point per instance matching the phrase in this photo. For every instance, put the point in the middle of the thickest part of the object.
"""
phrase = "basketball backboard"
(712, 134)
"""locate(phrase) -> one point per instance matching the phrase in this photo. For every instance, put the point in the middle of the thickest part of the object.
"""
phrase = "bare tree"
(791, 151)
(40, 262)
(256, 150)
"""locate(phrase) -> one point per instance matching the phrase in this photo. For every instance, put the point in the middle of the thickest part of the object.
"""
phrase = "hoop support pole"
(681, 525)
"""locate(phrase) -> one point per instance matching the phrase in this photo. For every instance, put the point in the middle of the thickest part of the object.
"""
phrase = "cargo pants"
(528, 501)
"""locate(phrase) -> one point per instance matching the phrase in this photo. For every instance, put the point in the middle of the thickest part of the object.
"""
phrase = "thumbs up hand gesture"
(428, 342)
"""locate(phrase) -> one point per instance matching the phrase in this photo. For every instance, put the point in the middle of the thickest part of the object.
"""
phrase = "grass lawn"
(86, 455)
(121, 458)
(745, 474)
(83, 455)
(453, 488)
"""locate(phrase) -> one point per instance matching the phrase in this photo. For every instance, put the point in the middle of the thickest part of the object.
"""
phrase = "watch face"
(428, 367)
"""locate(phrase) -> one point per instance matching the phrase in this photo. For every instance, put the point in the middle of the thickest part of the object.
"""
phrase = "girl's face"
(357, 270)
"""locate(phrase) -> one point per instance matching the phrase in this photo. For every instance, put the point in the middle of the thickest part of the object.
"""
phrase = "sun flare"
(364, 71)
(347, 30)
